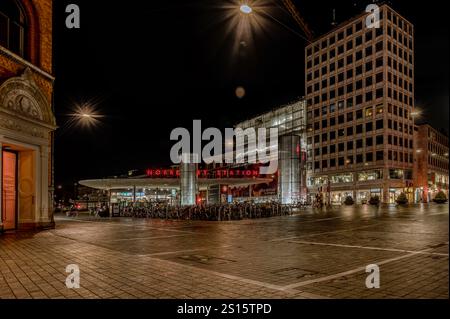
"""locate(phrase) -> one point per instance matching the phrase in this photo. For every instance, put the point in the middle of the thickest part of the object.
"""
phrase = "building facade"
(431, 174)
(360, 96)
(27, 120)
(289, 184)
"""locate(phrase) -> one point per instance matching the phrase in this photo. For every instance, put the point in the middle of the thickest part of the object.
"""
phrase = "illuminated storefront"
(361, 186)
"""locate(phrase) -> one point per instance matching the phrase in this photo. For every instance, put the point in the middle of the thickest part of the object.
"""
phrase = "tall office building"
(360, 100)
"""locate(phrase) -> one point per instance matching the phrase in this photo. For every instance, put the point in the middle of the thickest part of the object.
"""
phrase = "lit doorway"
(9, 161)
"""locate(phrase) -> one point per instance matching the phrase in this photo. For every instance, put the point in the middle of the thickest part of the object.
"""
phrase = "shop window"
(370, 176)
(396, 173)
(341, 178)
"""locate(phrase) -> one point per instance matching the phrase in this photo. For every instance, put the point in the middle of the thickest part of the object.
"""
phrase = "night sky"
(151, 66)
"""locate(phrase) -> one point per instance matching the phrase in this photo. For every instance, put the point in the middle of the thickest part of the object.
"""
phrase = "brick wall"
(38, 44)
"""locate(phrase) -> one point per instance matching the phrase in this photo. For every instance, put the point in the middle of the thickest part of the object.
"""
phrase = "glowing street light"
(246, 9)
(417, 113)
(84, 116)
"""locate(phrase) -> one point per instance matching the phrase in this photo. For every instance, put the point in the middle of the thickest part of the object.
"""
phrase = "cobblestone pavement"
(309, 255)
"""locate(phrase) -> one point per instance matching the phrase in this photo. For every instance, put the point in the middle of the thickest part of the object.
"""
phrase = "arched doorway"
(26, 121)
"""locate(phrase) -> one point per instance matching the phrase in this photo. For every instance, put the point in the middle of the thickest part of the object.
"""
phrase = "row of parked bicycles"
(218, 212)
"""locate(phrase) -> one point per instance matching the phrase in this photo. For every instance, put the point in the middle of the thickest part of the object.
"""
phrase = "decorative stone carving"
(21, 96)
(24, 105)
(22, 127)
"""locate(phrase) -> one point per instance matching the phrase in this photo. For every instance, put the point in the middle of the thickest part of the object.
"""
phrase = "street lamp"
(246, 9)
(259, 11)
(85, 116)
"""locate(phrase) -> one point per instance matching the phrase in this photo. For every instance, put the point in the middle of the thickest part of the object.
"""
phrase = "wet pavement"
(313, 254)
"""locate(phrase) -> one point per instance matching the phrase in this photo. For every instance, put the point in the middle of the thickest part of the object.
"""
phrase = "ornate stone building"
(27, 122)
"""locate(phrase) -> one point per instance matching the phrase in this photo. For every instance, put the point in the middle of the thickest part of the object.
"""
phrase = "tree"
(374, 200)
(402, 199)
(440, 198)
(349, 201)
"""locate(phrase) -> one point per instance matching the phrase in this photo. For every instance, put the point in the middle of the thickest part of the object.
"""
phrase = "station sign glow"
(204, 173)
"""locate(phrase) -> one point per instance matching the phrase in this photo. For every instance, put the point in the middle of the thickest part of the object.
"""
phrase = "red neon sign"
(203, 173)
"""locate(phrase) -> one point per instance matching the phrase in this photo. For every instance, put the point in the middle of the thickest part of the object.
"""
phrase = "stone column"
(188, 180)
(1, 188)
(44, 192)
(289, 179)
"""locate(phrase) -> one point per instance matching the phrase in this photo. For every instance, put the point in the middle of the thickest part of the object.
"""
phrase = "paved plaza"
(312, 254)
